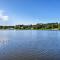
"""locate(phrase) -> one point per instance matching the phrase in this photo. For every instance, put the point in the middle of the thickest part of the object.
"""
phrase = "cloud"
(2, 16)
(5, 18)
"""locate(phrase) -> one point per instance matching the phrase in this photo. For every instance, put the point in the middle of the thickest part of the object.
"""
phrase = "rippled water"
(29, 45)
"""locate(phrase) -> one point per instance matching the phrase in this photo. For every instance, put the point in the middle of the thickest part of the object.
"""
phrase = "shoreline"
(33, 29)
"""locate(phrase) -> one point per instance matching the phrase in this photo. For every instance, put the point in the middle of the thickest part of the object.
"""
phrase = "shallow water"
(29, 45)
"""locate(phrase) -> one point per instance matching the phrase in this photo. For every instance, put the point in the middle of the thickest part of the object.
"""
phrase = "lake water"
(29, 45)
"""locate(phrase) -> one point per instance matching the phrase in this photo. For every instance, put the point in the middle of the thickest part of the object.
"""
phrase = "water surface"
(29, 45)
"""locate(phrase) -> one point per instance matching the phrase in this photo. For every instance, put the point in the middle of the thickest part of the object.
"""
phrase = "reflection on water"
(29, 45)
(3, 38)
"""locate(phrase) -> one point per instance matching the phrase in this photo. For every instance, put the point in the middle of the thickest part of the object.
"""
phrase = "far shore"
(32, 29)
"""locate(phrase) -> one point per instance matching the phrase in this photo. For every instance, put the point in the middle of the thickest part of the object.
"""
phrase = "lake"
(29, 45)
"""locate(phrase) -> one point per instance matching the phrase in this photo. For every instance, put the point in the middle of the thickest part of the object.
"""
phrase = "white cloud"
(2, 16)
(5, 18)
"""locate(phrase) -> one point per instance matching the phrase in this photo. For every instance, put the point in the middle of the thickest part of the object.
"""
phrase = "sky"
(14, 12)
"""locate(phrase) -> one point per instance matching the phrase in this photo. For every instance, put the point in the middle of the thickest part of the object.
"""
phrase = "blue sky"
(29, 11)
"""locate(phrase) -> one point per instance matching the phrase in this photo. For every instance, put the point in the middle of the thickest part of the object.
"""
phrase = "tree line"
(38, 26)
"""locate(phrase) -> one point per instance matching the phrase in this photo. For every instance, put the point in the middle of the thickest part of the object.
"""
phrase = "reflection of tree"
(3, 41)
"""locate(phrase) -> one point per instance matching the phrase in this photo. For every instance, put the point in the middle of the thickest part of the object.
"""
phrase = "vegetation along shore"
(38, 26)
